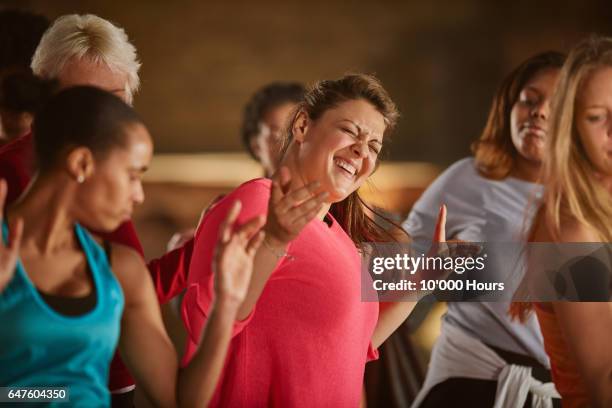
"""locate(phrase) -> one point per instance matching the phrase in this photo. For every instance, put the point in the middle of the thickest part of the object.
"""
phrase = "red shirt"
(168, 272)
(308, 339)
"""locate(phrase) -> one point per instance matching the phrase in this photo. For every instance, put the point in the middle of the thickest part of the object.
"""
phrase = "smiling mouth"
(346, 167)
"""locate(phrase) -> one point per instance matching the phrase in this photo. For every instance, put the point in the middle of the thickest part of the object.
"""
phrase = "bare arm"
(288, 213)
(587, 329)
(233, 268)
(393, 314)
(145, 345)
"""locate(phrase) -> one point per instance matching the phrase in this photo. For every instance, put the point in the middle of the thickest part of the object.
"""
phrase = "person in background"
(20, 97)
(265, 119)
(88, 50)
(577, 208)
(20, 33)
(488, 196)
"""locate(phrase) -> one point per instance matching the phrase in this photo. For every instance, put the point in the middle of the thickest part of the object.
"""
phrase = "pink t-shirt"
(307, 341)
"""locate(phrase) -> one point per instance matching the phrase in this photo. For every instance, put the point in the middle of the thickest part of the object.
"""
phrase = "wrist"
(226, 305)
(279, 250)
(274, 243)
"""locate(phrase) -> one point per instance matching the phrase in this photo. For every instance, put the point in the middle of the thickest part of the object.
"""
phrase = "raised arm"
(393, 314)
(233, 268)
(145, 345)
(288, 212)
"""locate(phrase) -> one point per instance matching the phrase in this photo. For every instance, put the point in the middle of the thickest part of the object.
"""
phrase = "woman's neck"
(606, 181)
(44, 208)
(298, 180)
(526, 170)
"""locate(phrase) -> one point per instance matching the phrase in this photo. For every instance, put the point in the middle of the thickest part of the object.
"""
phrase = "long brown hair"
(352, 213)
(494, 152)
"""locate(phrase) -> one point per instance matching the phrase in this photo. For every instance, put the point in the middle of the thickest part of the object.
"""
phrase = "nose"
(360, 148)
(138, 195)
(541, 110)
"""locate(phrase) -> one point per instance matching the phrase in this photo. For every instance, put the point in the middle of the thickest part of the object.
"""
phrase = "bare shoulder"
(571, 230)
(574, 231)
(128, 266)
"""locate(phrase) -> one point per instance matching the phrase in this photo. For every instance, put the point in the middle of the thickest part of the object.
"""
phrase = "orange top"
(564, 370)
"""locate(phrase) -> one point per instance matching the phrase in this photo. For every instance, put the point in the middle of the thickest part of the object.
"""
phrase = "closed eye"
(594, 118)
(349, 131)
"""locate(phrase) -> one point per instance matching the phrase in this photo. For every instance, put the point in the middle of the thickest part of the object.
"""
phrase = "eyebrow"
(533, 89)
(596, 107)
(359, 129)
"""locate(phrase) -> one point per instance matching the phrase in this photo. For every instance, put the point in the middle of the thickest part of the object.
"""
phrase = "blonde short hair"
(87, 36)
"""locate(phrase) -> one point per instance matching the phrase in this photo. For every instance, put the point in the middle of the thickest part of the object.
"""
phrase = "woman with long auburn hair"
(304, 335)
(488, 196)
(577, 208)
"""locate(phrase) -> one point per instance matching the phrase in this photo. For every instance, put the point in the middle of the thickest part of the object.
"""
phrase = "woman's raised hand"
(10, 252)
(234, 253)
(290, 210)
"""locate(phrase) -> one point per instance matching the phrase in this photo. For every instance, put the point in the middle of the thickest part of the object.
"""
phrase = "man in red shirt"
(88, 50)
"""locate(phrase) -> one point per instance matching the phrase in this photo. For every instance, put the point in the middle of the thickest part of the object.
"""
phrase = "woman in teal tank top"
(63, 309)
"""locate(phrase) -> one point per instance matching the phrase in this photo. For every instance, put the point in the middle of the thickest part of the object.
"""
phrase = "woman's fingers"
(15, 233)
(304, 219)
(225, 231)
(440, 230)
(249, 229)
(286, 206)
(284, 179)
(8, 255)
(314, 203)
(276, 193)
(254, 243)
(296, 197)
(3, 189)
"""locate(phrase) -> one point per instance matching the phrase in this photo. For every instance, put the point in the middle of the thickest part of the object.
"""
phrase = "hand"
(290, 210)
(459, 248)
(440, 230)
(10, 252)
(451, 247)
(233, 258)
(439, 246)
(179, 238)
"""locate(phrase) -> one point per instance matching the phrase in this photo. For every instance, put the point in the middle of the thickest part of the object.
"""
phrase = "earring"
(80, 178)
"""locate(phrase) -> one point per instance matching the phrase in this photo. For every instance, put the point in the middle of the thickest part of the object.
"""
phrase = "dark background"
(440, 60)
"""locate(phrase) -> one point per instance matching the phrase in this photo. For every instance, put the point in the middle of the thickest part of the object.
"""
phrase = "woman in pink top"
(303, 334)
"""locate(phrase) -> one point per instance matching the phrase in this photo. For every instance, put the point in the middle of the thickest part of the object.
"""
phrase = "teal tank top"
(42, 348)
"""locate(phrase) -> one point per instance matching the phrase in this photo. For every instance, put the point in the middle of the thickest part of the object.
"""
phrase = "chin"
(337, 195)
(109, 225)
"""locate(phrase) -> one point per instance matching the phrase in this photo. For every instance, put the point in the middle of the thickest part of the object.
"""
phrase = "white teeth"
(346, 166)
